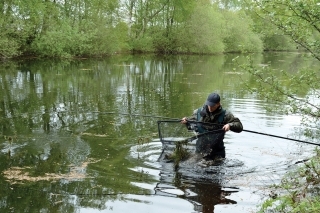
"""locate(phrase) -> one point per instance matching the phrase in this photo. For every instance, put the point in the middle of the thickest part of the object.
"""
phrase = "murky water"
(82, 136)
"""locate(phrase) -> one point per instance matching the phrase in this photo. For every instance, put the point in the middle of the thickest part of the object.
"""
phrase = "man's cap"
(213, 99)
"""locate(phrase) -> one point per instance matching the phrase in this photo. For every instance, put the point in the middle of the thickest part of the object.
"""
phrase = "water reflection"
(201, 186)
(76, 147)
(209, 195)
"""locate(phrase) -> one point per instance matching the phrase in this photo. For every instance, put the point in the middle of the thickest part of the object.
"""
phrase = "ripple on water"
(219, 171)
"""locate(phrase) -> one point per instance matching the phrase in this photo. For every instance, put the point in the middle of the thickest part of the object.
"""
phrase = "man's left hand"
(226, 127)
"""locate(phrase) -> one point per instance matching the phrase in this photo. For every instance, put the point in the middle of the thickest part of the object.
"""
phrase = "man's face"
(214, 107)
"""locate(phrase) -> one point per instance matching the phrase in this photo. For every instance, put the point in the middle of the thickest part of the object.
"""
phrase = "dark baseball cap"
(213, 99)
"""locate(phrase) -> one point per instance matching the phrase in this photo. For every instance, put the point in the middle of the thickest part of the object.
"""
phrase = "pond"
(82, 135)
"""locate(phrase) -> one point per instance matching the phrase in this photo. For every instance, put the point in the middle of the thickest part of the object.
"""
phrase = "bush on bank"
(57, 29)
(298, 191)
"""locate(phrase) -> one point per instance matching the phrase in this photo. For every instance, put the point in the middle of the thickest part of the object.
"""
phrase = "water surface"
(82, 136)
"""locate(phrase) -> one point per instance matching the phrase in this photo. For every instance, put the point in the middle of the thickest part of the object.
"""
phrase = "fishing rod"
(277, 136)
(199, 122)
(250, 131)
(266, 134)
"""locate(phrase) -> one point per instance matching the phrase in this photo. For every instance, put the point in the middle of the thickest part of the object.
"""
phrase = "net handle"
(191, 121)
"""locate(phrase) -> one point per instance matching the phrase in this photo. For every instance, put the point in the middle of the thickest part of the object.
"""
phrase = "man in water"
(214, 117)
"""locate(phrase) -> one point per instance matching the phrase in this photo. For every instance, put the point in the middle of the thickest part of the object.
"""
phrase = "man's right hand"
(184, 120)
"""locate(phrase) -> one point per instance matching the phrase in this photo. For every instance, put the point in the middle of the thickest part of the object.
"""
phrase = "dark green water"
(81, 136)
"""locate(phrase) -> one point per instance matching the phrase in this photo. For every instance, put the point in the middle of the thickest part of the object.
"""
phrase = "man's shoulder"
(199, 109)
(228, 113)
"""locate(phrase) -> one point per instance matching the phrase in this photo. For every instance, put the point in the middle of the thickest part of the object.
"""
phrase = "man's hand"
(226, 127)
(184, 120)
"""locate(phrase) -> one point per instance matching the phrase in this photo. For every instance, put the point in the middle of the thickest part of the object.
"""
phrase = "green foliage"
(121, 35)
(143, 44)
(164, 42)
(294, 93)
(204, 30)
(108, 40)
(55, 29)
(298, 191)
(276, 42)
(208, 29)
(158, 25)
(8, 47)
(74, 28)
(67, 41)
(10, 38)
(297, 19)
(273, 38)
(239, 34)
(55, 42)
(291, 93)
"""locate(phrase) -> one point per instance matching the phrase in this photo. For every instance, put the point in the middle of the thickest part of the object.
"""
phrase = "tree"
(204, 31)
(294, 93)
(60, 28)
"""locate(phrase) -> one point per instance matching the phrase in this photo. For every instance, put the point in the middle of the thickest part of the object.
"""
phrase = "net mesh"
(197, 136)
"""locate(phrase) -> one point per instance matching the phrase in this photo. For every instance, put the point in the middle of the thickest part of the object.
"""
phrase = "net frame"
(213, 134)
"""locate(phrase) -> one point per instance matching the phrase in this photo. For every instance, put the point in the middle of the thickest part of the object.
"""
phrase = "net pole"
(277, 136)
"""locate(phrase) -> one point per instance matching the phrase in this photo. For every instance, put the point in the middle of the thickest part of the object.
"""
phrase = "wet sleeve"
(193, 117)
(234, 122)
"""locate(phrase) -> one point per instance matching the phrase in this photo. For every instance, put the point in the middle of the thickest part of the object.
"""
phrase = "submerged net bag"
(196, 136)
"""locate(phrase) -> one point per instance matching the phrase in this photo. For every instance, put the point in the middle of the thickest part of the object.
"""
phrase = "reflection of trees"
(105, 179)
(54, 96)
(55, 162)
(51, 96)
(43, 99)
(52, 102)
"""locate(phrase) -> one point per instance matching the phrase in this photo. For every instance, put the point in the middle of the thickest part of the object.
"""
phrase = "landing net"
(198, 139)
(196, 136)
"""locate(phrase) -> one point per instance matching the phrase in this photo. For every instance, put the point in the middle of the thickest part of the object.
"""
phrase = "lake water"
(82, 136)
